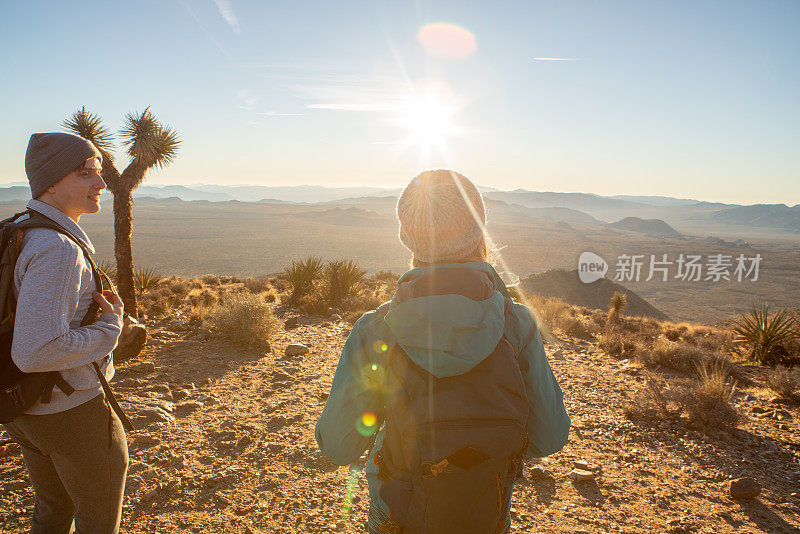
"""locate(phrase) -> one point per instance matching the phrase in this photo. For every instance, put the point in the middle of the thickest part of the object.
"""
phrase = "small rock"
(291, 322)
(744, 488)
(180, 394)
(586, 466)
(178, 325)
(580, 475)
(267, 347)
(538, 472)
(143, 367)
(335, 318)
(296, 349)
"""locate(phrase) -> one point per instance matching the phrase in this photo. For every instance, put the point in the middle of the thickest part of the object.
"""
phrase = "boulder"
(131, 340)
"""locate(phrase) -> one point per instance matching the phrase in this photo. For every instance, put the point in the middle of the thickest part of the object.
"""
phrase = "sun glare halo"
(429, 119)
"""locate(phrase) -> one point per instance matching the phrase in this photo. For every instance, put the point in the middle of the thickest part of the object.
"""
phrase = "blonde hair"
(482, 252)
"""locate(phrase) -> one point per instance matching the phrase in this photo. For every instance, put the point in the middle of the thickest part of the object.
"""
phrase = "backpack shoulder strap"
(38, 220)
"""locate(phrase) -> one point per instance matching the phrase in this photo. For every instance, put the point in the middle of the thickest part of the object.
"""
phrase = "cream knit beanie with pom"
(436, 222)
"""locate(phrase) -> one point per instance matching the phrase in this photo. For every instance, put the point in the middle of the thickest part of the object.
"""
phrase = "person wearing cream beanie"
(442, 216)
(451, 323)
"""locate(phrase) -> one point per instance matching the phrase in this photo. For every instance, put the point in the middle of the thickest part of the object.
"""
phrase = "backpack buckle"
(433, 470)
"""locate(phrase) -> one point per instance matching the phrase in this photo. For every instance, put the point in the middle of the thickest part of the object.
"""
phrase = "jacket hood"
(448, 318)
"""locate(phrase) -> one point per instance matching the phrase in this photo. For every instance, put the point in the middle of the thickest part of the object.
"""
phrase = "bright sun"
(429, 119)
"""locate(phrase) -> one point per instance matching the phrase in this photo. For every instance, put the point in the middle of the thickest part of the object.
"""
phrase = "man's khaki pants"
(77, 461)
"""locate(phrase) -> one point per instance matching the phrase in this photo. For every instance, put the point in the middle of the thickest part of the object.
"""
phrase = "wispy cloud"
(227, 13)
(276, 114)
(555, 59)
(354, 107)
(245, 99)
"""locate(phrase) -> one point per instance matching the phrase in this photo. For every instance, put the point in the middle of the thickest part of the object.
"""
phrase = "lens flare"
(374, 367)
(367, 425)
(352, 481)
(380, 346)
(446, 40)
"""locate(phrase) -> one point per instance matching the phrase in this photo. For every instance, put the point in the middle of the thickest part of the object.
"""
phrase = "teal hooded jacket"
(447, 335)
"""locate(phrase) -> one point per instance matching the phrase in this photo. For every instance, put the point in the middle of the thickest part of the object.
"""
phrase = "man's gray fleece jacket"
(54, 286)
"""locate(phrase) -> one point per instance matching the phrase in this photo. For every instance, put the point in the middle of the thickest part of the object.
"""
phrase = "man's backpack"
(454, 445)
(18, 390)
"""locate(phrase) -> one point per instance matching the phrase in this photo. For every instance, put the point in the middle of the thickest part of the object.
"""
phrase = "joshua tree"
(148, 144)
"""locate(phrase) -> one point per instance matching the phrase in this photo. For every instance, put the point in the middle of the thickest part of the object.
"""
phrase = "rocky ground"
(225, 443)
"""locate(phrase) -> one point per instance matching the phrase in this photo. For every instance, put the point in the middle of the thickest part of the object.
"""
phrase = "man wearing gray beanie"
(73, 443)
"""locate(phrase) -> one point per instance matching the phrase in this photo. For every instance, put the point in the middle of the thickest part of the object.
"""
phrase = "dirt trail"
(226, 444)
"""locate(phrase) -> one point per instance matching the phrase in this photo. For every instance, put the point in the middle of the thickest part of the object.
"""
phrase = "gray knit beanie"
(52, 156)
(441, 216)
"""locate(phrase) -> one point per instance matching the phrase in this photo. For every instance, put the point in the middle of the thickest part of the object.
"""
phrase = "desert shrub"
(179, 287)
(673, 334)
(764, 336)
(195, 283)
(783, 381)
(619, 346)
(575, 327)
(270, 296)
(302, 274)
(340, 280)
(386, 276)
(550, 310)
(202, 301)
(145, 279)
(677, 356)
(707, 401)
(617, 304)
(245, 319)
(654, 402)
(210, 279)
(229, 280)
(257, 285)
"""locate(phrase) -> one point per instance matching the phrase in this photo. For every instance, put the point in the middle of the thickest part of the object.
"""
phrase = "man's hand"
(109, 302)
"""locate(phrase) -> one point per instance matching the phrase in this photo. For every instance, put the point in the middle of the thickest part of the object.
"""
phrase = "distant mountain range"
(652, 215)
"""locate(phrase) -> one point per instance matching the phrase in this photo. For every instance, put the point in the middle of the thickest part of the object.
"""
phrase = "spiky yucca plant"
(762, 333)
(341, 280)
(302, 275)
(146, 279)
(149, 144)
(617, 304)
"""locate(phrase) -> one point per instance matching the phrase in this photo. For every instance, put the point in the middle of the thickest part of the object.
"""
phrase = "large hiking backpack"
(18, 390)
(454, 446)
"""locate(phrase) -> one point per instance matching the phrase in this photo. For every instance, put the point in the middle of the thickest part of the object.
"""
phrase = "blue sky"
(686, 98)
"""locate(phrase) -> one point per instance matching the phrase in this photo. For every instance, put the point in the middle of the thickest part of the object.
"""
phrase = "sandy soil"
(225, 444)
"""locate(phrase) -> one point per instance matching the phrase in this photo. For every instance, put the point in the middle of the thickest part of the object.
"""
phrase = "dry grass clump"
(707, 402)
(783, 381)
(257, 285)
(245, 319)
(704, 401)
(619, 345)
(202, 301)
(210, 279)
(178, 286)
(674, 355)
